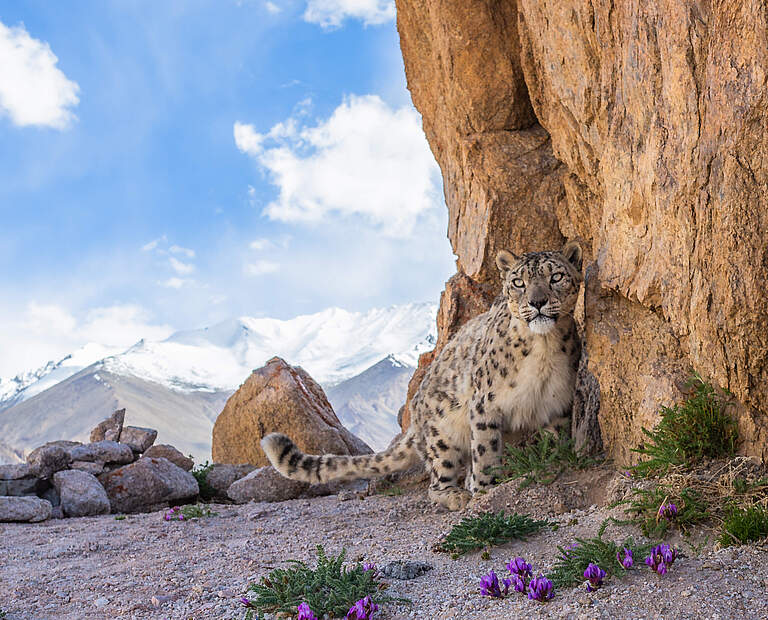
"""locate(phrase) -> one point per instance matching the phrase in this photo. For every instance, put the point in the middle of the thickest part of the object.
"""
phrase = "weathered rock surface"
(24, 509)
(279, 398)
(221, 476)
(51, 457)
(265, 485)
(23, 486)
(137, 438)
(172, 454)
(80, 494)
(110, 428)
(147, 484)
(103, 452)
(92, 467)
(16, 471)
(638, 127)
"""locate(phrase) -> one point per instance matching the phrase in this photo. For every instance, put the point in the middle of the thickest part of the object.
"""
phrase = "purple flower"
(520, 567)
(489, 585)
(567, 550)
(627, 561)
(245, 602)
(661, 558)
(367, 567)
(362, 610)
(305, 613)
(520, 585)
(668, 511)
(540, 589)
(594, 575)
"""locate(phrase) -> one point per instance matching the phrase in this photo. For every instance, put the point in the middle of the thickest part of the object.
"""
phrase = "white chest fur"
(542, 387)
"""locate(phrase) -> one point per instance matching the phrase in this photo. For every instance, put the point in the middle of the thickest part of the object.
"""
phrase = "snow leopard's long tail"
(292, 463)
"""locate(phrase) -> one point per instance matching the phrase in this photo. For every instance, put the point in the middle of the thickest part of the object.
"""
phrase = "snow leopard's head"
(541, 286)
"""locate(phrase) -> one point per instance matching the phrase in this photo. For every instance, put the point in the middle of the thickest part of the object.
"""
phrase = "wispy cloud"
(181, 268)
(175, 283)
(261, 244)
(177, 249)
(33, 91)
(260, 268)
(367, 159)
(272, 8)
(330, 14)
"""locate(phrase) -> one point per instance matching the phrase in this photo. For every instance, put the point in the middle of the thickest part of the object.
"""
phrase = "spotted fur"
(510, 369)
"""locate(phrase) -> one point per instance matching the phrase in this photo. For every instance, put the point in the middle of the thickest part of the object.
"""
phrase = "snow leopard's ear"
(572, 253)
(505, 260)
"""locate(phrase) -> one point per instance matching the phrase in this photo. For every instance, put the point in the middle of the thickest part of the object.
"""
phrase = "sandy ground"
(145, 567)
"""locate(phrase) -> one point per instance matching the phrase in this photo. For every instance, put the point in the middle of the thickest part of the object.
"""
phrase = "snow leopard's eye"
(518, 283)
(556, 277)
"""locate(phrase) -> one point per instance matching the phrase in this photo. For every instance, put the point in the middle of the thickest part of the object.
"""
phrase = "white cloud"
(367, 159)
(272, 8)
(40, 332)
(176, 283)
(152, 245)
(332, 13)
(260, 267)
(33, 91)
(181, 268)
(177, 249)
(261, 244)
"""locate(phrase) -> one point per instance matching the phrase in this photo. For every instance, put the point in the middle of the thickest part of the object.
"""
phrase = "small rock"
(400, 569)
(160, 599)
(685, 593)
(101, 602)
(81, 494)
(103, 452)
(32, 509)
(172, 454)
(110, 428)
(137, 438)
(265, 485)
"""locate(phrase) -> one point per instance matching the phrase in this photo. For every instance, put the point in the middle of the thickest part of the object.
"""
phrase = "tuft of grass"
(196, 511)
(488, 530)
(331, 588)
(645, 503)
(541, 461)
(392, 491)
(744, 525)
(570, 566)
(200, 472)
(699, 428)
(120, 517)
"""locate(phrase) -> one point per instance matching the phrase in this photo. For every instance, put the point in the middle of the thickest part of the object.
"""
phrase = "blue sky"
(166, 165)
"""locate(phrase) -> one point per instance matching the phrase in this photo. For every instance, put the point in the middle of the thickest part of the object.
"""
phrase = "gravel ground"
(144, 567)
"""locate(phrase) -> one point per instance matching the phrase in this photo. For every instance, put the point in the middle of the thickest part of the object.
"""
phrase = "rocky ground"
(144, 567)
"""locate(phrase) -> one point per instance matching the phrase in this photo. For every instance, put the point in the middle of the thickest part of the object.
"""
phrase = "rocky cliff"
(639, 127)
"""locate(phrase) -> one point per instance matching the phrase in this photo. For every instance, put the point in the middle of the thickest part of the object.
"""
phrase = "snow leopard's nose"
(538, 302)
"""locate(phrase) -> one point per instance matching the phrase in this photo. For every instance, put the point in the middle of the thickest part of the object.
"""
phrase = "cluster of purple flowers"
(363, 609)
(625, 558)
(174, 514)
(668, 511)
(522, 580)
(661, 558)
(305, 613)
(594, 576)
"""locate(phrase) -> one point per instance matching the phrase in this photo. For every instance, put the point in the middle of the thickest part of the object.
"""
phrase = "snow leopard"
(511, 369)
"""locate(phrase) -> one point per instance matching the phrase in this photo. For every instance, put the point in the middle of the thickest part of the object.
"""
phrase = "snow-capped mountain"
(179, 385)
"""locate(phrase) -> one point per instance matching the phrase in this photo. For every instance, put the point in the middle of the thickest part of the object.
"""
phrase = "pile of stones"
(119, 471)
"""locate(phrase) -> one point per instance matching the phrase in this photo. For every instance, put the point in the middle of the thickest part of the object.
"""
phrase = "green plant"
(190, 511)
(645, 506)
(331, 588)
(392, 491)
(573, 561)
(700, 427)
(541, 461)
(743, 525)
(200, 472)
(488, 530)
(120, 517)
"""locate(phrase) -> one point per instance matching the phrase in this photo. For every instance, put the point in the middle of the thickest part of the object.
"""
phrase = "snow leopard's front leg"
(485, 439)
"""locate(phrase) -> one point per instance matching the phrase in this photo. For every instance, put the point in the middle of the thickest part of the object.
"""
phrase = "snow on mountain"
(332, 346)
(27, 384)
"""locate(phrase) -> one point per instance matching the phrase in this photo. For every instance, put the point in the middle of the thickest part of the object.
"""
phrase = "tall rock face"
(639, 127)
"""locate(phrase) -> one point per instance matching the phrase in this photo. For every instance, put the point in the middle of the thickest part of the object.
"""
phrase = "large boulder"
(172, 454)
(221, 476)
(20, 479)
(51, 457)
(139, 439)
(31, 509)
(638, 127)
(265, 484)
(103, 452)
(148, 484)
(80, 494)
(280, 398)
(110, 428)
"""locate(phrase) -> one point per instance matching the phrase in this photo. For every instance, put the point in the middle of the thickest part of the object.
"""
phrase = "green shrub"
(743, 525)
(200, 472)
(645, 504)
(698, 428)
(488, 530)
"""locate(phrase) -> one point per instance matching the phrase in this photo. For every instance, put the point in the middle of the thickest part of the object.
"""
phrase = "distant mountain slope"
(367, 404)
(70, 409)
